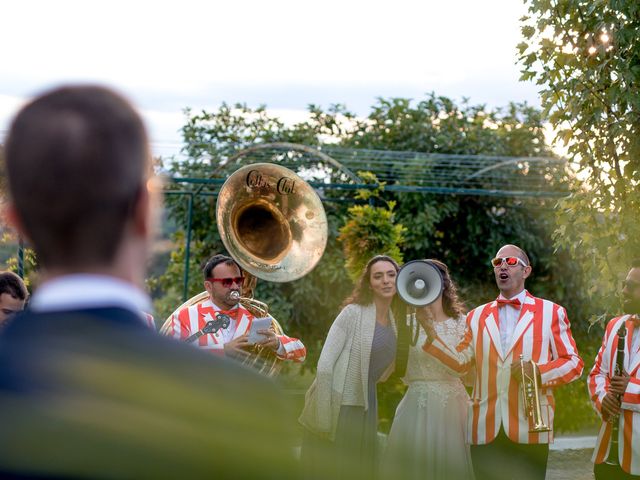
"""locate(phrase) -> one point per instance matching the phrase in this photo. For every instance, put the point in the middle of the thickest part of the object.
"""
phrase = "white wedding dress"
(428, 436)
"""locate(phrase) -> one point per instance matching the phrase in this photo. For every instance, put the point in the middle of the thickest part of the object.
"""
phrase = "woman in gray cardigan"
(340, 412)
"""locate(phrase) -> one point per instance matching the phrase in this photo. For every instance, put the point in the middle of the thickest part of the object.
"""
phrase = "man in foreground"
(87, 390)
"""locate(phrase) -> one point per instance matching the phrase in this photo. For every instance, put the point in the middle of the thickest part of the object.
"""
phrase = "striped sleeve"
(291, 349)
(149, 321)
(179, 325)
(566, 365)
(598, 380)
(631, 397)
(459, 360)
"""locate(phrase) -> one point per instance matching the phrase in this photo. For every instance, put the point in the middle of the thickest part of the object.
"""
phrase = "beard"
(631, 305)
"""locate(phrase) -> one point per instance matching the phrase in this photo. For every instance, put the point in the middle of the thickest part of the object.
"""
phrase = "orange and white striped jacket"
(542, 334)
(598, 384)
(191, 319)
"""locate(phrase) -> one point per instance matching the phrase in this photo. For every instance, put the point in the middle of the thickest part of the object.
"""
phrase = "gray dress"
(357, 430)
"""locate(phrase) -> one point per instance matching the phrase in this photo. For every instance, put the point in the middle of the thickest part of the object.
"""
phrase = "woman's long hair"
(451, 303)
(362, 294)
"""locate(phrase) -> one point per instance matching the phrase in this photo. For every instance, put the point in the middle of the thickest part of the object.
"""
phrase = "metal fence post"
(187, 251)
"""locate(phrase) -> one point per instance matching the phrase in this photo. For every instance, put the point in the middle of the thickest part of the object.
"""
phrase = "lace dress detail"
(423, 367)
(428, 435)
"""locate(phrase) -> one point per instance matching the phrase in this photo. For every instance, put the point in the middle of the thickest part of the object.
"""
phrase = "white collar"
(521, 296)
(79, 291)
(209, 303)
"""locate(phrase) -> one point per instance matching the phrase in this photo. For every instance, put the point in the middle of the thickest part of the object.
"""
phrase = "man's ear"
(527, 271)
(141, 222)
(12, 218)
(146, 211)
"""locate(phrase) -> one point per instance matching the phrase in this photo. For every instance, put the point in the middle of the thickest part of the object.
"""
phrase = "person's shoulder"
(480, 309)
(348, 314)
(182, 313)
(545, 304)
(350, 309)
(531, 298)
(135, 368)
(616, 322)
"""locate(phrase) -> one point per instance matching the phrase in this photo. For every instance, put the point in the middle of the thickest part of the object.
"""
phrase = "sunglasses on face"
(227, 282)
(630, 284)
(510, 261)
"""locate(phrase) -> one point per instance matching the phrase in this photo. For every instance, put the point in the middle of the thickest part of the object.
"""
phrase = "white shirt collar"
(79, 291)
(209, 303)
(521, 296)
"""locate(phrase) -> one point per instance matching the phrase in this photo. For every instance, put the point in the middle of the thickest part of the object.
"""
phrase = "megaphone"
(419, 283)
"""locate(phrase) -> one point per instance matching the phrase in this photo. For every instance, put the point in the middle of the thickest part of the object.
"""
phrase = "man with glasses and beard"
(498, 333)
(222, 277)
(616, 395)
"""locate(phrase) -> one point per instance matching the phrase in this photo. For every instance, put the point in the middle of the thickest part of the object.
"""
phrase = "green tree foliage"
(585, 56)
(370, 230)
(463, 231)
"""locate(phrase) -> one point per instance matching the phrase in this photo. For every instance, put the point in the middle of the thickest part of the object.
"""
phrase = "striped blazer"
(191, 319)
(542, 334)
(598, 384)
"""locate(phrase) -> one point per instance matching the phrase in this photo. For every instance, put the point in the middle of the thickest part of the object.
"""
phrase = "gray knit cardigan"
(343, 369)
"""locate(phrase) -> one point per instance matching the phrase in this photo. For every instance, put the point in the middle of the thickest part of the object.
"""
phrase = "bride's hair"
(451, 303)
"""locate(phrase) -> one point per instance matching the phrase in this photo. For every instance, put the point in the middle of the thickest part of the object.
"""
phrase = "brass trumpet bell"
(271, 222)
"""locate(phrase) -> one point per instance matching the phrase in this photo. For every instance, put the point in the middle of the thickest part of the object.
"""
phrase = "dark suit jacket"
(96, 394)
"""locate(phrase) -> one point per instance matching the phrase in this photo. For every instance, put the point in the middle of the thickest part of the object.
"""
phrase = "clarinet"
(613, 458)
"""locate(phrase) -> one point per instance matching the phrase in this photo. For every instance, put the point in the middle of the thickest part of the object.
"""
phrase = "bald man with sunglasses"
(222, 277)
(498, 333)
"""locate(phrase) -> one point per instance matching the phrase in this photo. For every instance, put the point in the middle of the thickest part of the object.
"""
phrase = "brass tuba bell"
(273, 224)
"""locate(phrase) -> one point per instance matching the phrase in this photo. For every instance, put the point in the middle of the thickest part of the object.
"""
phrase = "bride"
(428, 435)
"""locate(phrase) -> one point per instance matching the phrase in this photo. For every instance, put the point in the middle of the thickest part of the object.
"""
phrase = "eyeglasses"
(510, 261)
(630, 284)
(227, 282)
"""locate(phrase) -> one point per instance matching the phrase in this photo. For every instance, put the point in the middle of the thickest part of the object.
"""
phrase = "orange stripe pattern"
(191, 319)
(542, 334)
(598, 384)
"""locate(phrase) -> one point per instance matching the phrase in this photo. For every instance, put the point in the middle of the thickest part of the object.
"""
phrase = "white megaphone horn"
(419, 283)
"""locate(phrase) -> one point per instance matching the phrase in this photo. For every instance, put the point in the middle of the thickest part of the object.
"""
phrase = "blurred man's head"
(13, 295)
(77, 162)
(631, 289)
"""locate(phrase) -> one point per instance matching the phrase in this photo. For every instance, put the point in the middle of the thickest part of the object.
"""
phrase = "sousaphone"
(273, 224)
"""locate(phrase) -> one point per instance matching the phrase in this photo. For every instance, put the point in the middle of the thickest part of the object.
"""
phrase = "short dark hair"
(13, 285)
(217, 259)
(77, 158)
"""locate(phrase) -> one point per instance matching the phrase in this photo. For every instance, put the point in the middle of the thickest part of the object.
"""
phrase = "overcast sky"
(286, 54)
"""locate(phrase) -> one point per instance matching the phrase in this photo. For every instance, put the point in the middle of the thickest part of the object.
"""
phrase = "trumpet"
(531, 398)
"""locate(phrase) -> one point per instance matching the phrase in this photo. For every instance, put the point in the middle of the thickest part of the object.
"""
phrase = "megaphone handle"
(411, 316)
(414, 328)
